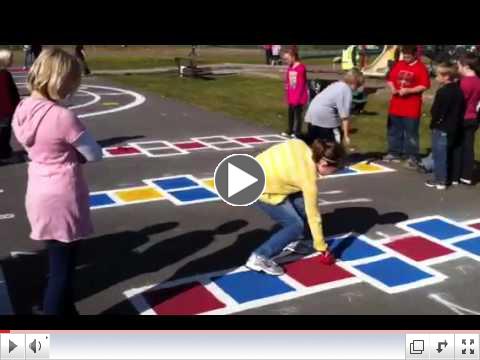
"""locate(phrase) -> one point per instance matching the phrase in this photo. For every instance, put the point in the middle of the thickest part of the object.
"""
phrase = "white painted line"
(95, 99)
(351, 201)
(138, 100)
(6, 307)
(15, 254)
(457, 309)
(7, 216)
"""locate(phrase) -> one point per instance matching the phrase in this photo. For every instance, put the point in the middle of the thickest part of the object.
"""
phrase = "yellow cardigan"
(289, 169)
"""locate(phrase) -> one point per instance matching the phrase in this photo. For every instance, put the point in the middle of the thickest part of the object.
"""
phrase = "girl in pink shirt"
(464, 150)
(57, 199)
(296, 92)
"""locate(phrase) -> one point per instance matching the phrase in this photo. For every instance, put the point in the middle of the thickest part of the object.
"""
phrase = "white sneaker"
(300, 248)
(285, 134)
(261, 264)
(465, 181)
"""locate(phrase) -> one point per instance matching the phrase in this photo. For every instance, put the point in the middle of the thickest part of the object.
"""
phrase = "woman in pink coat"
(57, 199)
(296, 92)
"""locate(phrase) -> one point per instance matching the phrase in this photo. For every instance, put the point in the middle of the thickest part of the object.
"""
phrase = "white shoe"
(300, 248)
(465, 181)
(261, 264)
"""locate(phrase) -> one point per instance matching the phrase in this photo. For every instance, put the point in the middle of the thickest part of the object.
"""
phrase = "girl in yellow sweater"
(291, 199)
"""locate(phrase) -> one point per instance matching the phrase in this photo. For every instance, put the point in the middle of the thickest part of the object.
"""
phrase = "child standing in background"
(9, 99)
(447, 113)
(296, 92)
(464, 153)
(276, 49)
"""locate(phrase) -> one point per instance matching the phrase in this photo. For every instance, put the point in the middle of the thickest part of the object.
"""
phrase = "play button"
(11, 346)
(239, 180)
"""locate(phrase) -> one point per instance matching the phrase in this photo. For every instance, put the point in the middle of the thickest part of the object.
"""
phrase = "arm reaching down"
(88, 147)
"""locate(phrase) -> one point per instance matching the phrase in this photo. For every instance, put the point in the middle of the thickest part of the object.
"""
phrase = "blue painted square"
(439, 229)
(352, 248)
(393, 272)
(175, 183)
(193, 195)
(471, 245)
(250, 285)
(344, 171)
(101, 200)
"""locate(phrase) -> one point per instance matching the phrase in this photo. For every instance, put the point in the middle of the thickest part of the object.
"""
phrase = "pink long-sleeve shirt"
(296, 85)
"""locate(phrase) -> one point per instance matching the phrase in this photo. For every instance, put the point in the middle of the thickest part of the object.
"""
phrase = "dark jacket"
(448, 109)
(9, 97)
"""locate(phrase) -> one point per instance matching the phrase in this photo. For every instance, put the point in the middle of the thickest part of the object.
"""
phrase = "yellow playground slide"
(379, 67)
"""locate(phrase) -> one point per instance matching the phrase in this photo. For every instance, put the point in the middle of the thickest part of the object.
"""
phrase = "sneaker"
(411, 164)
(293, 136)
(391, 158)
(422, 169)
(435, 184)
(455, 183)
(285, 134)
(261, 264)
(301, 248)
(466, 182)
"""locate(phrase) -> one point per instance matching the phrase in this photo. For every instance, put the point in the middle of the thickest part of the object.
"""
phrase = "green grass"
(260, 100)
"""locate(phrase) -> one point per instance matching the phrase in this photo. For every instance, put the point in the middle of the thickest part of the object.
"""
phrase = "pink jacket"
(296, 85)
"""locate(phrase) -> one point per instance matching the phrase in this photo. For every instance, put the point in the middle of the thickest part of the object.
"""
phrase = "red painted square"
(475, 226)
(123, 150)
(418, 248)
(190, 145)
(311, 272)
(190, 299)
(249, 140)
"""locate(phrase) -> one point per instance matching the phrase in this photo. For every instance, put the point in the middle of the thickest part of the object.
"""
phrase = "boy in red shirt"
(408, 80)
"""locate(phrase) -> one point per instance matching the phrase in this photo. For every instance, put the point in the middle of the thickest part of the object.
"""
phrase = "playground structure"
(382, 64)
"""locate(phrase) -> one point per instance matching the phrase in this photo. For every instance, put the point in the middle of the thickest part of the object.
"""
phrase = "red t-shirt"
(407, 76)
(471, 90)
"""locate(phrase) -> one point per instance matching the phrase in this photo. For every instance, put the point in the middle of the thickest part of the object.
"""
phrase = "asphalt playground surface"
(159, 243)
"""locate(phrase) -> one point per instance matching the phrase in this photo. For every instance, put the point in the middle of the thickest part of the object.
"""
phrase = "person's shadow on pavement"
(356, 220)
(112, 259)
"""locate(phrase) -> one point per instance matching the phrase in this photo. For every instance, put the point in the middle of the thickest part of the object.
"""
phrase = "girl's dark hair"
(329, 151)
(293, 52)
(472, 61)
(409, 49)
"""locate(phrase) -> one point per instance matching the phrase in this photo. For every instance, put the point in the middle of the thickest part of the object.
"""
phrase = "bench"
(187, 67)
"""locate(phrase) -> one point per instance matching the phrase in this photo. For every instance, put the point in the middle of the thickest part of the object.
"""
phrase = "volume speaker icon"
(35, 346)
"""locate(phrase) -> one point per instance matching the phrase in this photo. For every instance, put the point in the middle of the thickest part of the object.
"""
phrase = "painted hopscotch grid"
(162, 148)
(377, 263)
(179, 190)
(196, 192)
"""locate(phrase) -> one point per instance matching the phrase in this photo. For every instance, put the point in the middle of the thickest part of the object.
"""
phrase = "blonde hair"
(354, 76)
(55, 74)
(6, 57)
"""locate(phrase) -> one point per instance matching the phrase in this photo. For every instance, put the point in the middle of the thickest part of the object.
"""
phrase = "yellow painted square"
(139, 194)
(368, 168)
(210, 183)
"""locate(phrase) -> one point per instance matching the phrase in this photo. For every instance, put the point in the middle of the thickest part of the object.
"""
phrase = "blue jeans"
(291, 215)
(440, 155)
(59, 297)
(403, 136)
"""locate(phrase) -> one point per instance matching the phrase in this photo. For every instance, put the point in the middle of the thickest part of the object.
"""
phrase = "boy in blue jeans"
(447, 113)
